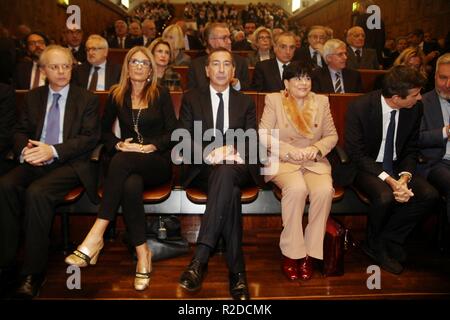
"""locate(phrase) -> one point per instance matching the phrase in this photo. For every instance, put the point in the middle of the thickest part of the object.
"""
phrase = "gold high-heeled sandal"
(142, 277)
(81, 259)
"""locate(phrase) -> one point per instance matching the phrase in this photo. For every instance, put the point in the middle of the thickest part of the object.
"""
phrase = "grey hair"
(444, 59)
(331, 46)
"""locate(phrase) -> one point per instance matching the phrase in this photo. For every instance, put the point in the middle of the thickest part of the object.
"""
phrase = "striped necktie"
(338, 83)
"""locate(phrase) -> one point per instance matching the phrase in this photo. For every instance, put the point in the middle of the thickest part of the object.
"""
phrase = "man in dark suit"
(381, 135)
(335, 77)
(7, 122)
(28, 75)
(135, 33)
(74, 41)
(435, 131)
(317, 36)
(121, 40)
(218, 36)
(98, 74)
(218, 106)
(358, 56)
(148, 32)
(268, 73)
(56, 132)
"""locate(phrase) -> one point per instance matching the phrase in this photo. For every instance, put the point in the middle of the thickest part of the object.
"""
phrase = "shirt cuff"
(21, 160)
(444, 133)
(383, 175)
(409, 174)
(55, 153)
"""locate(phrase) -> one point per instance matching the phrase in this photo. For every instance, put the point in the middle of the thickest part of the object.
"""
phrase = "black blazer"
(156, 123)
(80, 136)
(197, 74)
(303, 55)
(194, 43)
(431, 143)
(80, 55)
(266, 77)
(8, 117)
(322, 82)
(22, 75)
(363, 134)
(197, 106)
(80, 75)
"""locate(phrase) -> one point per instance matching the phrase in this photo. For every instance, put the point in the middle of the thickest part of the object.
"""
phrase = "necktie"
(219, 117)
(338, 84)
(314, 59)
(37, 76)
(94, 79)
(121, 43)
(358, 55)
(388, 158)
(52, 134)
(284, 67)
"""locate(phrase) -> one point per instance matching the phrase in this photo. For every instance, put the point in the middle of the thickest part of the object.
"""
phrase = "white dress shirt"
(215, 106)
(101, 76)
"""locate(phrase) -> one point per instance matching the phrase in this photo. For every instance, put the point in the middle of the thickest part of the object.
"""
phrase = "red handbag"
(334, 248)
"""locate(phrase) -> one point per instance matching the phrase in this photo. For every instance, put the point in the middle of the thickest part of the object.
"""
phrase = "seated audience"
(51, 165)
(121, 40)
(306, 135)
(317, 36)
(218, 36)
(360, 57)
(434, 139)
(28, 75)
(335, 77)
(148, 32)
(97, 74)
(174, 35)
(268, 74)
(74, 41)
(263, 44)
(381, 136)
(140, 160)
(167, 77)
(190, 42)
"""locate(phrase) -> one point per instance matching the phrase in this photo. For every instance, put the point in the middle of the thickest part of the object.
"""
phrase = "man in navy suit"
(360, 57)
(435, 131)
(335, 77)
(381, 136)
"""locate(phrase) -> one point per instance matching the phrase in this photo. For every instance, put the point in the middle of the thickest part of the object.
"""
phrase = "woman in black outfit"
(141, 159)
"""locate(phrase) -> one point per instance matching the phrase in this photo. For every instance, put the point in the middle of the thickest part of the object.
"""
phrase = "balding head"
(356, 37)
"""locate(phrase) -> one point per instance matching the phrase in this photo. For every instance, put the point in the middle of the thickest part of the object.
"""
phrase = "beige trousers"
(295, 187)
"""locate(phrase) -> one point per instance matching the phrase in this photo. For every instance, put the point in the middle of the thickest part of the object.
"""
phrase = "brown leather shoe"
(290, 268)
(306, 268)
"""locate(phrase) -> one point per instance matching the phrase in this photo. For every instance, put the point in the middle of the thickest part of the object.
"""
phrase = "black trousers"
(128, 174)
(389, 220)
(223, 214)
(439, 177)
(33, 192)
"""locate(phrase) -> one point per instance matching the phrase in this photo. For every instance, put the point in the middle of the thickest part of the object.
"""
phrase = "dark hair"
(220, 49)
(41, 34)
(296, 69)
(417, 32)
(400, 79)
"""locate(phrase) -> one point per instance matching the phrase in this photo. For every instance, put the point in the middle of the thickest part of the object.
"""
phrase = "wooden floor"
(427, 274)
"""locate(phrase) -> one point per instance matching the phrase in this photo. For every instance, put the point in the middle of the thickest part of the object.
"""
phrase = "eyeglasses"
(264, 38)
(95, 49)
(57, 67)
(35, 43)
(316, 37)
(224, 38)
(143, 63)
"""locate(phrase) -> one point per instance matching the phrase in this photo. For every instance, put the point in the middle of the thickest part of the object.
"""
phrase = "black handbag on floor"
(164, 238)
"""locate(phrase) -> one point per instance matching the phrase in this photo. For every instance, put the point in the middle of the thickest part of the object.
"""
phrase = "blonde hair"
(157, 42)
(176, 31)
(150, 92)
(43, 59)
(444, 59)
(409, 53)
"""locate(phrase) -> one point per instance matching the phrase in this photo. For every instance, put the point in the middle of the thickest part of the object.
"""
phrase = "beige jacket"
(317, 129)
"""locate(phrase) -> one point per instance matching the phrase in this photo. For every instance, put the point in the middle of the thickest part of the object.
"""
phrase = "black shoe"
(396, 251)
(191, 279)
(388, 263)
(368, 250)
(238, 286)
(29, 286)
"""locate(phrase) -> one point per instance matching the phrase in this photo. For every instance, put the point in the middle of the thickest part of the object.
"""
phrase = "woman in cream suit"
(299, 167)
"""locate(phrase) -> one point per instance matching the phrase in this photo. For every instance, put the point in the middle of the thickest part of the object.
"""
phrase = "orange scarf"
(303, 119)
